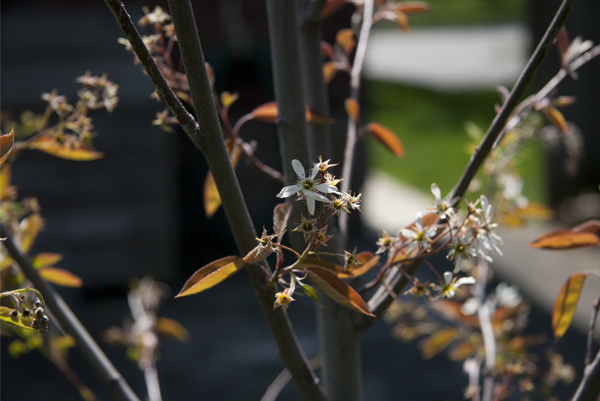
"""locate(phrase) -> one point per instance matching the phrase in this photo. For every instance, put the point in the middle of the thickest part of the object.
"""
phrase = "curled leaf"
(556, 118)
(337, 290)
(386, 138)
(47, 144)
(565, 304)
(212, 274)
(171, 328)
(6, 143)
(352, 108)
(60, 277)
(281, 214)
(345, 38)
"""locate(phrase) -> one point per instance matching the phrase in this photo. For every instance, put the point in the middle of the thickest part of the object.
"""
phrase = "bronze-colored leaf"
(402, 21)
(171, 328)
(329, 71)
(565, 304)
(47, 144)
(556, 118)
(345, 38)
(386, 138)
(46, 259)
(437, 342)
(332, 267)
(30, 227)
(352, 108)
(60, 277)
(313, 117)
(6, 143)
(266, 112)
(212, 274)
(565, 239)
(368, 260)
(412, 7)
(281, 214)
(337, 290)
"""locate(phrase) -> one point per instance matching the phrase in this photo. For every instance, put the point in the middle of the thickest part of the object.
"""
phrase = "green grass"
(431, 127)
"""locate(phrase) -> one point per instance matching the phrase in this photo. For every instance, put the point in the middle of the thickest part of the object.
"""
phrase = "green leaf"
(565, 304)
(337, 290)
(5, 316)
(308, 290)
(60, 277)
(44, 259)
(211, 275)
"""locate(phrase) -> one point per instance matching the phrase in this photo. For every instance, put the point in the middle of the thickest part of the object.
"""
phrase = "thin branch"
(590, 337)
(234, 206)
(164, 90)
(501, 118)
(70, 324)
(589, 388)
(380, 299)
(361, 49)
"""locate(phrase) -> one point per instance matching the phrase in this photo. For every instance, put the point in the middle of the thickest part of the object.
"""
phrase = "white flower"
(508, 295)
(443, 208)
(461, 249)
(385, 242)
(307, 187)
(417, 236)
(451, 283)
(485, 234)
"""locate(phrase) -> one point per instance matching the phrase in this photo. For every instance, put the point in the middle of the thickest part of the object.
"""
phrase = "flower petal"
(464, 280)
(448, 277)
(310, 202)
(316, 196)
(289, 191)
(327, 188)
(435, 190)
(298, 168)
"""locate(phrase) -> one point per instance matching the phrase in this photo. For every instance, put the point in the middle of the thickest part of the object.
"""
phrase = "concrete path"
(455, 58)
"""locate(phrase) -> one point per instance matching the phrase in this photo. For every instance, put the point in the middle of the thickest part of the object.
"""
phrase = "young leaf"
(437, 342)
(556, 118)
(337, 290)
(60, 277)
(308, 290)
(211, 275)
(46, 259)
(386, 138)
(171, 328)
(30, 227)
(565, 239)
(281, 214)
(48, 145)
(266, 112)
(367, 260)
(565, 304)
(227, 98)
(345, 38)
(329, 71)
(313, 117)
(6, 143)
(212, 199)
(24, 323)
(412, 7)
(352, 108)
(332, 267)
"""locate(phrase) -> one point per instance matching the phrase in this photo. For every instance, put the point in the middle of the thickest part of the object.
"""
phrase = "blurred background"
(138, 211)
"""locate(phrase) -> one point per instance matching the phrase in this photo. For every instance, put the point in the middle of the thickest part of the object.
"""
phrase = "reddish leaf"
(332, 267)
(337, 290)
(60, 277)
(367, 260)
(352, 108)
(565, 304)
(281, 214)
(565, 239)
(386, 137)
(171, 328)
(412, 7)
(331, 7)
(437, 342)
(329, 71)
(345, 38)
(590, 226)
(266, 112)
(6, 143)
(313, 117)
(211, 275)
(47, 144)
(46, 259)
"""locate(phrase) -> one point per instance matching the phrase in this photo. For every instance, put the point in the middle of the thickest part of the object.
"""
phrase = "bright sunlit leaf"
(337, 290)
(6, 143)
(266, 112)
(386, 138)
(227, 98)
(345, 38)
(60, 277)
(171, 328)
(48, 145)
(211, 275)
(368, 260)
(212, 199)
(437, 342)
(46, 259)
(565, 304)
(5, 316)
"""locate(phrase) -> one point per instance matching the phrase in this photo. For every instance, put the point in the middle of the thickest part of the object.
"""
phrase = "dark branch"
(71, 325)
